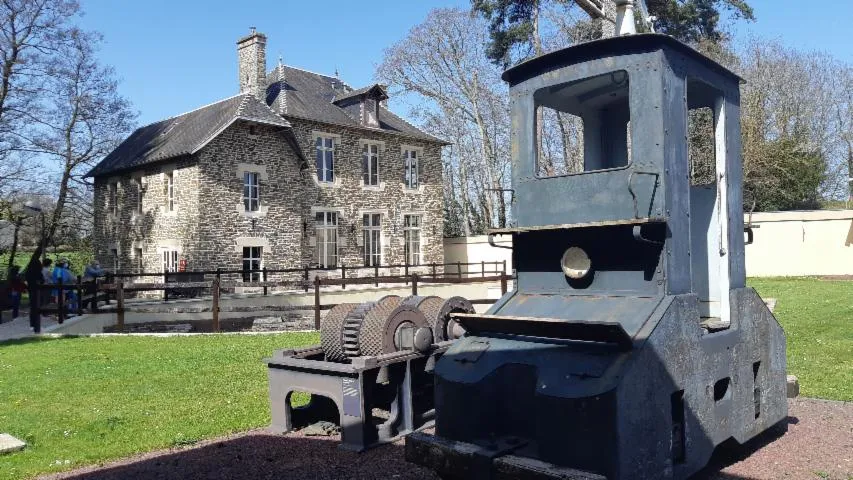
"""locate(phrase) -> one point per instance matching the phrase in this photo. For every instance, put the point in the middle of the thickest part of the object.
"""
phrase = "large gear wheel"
(437, 312)
(380, 328)
(330, 331)
(352, 325)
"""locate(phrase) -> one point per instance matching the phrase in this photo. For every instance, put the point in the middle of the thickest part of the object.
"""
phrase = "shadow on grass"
(39, 339)
(265, 456)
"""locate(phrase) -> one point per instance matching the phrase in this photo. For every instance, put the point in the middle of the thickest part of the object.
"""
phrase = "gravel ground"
(818, 445)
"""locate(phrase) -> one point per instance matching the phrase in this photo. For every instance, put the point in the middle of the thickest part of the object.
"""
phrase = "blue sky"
(174, 56)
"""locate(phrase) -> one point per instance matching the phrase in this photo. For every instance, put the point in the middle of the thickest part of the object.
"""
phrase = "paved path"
(817, 445)
(20, 328)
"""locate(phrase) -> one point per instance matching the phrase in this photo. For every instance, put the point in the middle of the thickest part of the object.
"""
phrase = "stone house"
(297, 169)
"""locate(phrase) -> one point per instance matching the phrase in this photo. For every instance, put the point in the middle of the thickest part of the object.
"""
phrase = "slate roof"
(303, 94)
(361, 91)
(184, 134)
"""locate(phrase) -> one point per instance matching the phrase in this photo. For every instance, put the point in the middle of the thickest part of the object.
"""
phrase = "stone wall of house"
(225, 226)
(351, 199)
(129, 232)
(209, 226)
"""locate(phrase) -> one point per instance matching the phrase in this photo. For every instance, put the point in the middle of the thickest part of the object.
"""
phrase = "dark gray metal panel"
(630, 312)
(674, 110)
(591, 196)
(737, 253)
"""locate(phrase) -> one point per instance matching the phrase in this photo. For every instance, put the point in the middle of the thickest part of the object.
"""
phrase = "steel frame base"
(400, 383)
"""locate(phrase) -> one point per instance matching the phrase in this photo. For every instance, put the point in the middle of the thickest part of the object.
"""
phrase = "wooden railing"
(119, 289)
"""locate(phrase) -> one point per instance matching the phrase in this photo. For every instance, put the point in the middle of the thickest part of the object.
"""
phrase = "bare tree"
(31, 32)
(81, 119)
(443, 62)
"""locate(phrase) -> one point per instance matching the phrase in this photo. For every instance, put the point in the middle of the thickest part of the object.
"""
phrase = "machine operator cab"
(630, 347)
(613, 192)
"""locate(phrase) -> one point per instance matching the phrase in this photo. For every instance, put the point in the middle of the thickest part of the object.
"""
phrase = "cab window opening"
(583, 126)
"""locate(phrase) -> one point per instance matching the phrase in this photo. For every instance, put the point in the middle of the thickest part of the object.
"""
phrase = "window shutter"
(420, 170)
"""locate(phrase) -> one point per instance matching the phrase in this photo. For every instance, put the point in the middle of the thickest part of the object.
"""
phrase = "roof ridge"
(189, 111)
(242, 105)
(315, 73)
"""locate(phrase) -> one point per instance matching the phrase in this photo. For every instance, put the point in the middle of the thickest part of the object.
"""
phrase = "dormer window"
(363, 104)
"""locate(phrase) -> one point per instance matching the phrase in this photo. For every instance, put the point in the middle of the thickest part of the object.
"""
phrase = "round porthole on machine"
(575, 263)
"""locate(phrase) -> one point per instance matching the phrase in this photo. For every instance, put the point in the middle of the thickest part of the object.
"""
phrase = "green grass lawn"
(81, 401)
(817, 317)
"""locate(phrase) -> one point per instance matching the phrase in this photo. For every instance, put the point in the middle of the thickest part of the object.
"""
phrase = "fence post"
(95, 297)
(433, 270)
(459, 269)
(376, 274)
(79, 295)
(343, 277)
(215, 307)
(165, 290)
(406, 271)
(503, 284)
(316, 303)
(60, 304)
(111, 280)
(120, 305)
(305, 277)
(265, 279)
(483, 267)
(414, 284)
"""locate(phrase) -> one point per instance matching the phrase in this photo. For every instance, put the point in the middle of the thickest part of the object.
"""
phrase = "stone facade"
(203, 223)
(208, 226)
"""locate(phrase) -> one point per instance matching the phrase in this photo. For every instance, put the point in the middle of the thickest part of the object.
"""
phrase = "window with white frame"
(170, 261)
(410, 175)
(137, 256)
(325, 159)
(114, 198)
(372, 231)
(252, 264)
(170, 192)
(370, 164)
(139, 194)
(326, 225)
(251, 191)
(412, 239)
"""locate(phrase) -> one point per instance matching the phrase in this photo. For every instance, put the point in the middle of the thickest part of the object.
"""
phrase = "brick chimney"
(252, 57)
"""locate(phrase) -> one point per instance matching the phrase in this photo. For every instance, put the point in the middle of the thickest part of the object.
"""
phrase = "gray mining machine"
(630, 347)
(372, 373)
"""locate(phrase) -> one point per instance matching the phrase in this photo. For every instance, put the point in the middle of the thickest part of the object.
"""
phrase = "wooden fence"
(93, 293)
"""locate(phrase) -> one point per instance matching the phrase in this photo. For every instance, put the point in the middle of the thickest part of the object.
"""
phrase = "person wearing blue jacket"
(62, 272)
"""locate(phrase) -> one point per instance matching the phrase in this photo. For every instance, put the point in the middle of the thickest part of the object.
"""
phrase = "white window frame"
(327, 238)
(113, 194)
(170, 191)
(326, 174)
(139, 193)
(171, 260)
(411, 159)
(139, 260)
(372, 238)
(412, 257)
(369, 159)
(253, 274)
(251, 191)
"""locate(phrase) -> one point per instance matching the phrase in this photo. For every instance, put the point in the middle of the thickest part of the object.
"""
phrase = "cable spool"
(382, 327)
(330, 331)
(437, 312)
(353, 323)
